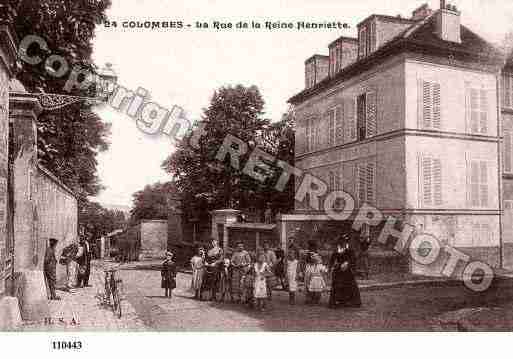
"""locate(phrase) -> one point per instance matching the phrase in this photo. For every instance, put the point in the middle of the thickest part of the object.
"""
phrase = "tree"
(153, 202)
(206, 183)
(69, 140)
(98, 221)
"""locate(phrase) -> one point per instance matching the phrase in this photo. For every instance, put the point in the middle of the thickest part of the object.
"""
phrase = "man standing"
(241, 261)
(270, 259)
(50, 268)
(84, 262)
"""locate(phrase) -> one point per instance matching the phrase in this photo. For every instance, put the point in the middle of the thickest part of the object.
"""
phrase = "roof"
(420, 37)
(389, 18)
(345, 38)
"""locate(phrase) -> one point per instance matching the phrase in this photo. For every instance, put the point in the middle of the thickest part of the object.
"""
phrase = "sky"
(184, 67)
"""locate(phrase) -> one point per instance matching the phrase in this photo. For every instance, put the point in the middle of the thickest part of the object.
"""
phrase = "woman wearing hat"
(168, 274)
(344, 290)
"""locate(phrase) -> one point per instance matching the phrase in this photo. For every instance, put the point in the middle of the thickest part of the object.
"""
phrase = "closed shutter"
(474, 111)
(339, 125)
(483, 119)
(483, 188)
(474, 183)
(331, 181)
(350, 119)
(308, 135)
(318, 137)
(507, 86)
(507, 151)
(338, 180)
(371, 114)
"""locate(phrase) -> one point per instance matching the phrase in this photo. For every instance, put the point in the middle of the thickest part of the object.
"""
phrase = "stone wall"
(153, 238)
(57, 217)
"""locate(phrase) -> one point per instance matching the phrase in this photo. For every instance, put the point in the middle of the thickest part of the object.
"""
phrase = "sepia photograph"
(255, 166)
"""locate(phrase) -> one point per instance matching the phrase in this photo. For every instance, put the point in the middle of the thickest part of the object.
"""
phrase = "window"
(366, 115)
(429, 103)
(477, 183)
(308, 143)
(365, 183)
(507, 148)
(481, 234)
(349, 120)
(430, 181)
(507, 90)
(477, 110)
(335, 126)
(313, 135)
(362, 44)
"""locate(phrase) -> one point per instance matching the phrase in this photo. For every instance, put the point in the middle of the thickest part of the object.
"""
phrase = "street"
(398, 309)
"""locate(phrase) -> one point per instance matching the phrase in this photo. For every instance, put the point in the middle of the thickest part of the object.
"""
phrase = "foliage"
(153, 202)
(69, 140)
(206, 183)
(98, 221)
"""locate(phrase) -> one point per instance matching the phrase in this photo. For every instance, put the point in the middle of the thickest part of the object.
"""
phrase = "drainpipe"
(500, 167)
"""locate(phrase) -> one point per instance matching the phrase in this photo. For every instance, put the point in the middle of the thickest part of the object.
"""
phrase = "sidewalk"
(82, 310)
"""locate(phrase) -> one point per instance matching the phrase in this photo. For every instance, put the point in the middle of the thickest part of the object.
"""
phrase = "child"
(197, 265)
(247, 282)
(168, 274)
(292, 275)
(260, 292)
(314, 278)
(225, 280)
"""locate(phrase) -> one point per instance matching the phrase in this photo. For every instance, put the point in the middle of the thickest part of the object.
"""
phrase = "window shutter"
(474, 183)
(361, 183)
(484, 184)
(317, 135)
(331, 180)
(370, 183)
(301, 137)
(483, 120)
(330, 119)
(507, 151)
(507, 80)
(427, 181)
(437, 181)
(437, 110)
(350, 119)
(308, 135)
(339, 125)
(338, 180)
(371, 114)
(424, 103)
(474, 111)
(363, 42)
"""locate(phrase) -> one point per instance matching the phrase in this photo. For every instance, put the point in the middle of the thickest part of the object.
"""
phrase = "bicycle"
(112, 289)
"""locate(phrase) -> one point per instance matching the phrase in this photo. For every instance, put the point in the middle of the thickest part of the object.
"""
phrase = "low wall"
(56, 217)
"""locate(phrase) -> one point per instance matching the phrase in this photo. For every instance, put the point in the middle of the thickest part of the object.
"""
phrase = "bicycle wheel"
(117, 304)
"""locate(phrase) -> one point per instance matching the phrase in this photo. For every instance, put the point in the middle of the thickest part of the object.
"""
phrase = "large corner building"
(415, 117)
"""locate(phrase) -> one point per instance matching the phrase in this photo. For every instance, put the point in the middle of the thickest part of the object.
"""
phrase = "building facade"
(407, 120)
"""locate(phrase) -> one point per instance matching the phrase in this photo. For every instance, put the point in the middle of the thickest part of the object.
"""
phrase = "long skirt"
(344, 290)
(237, 284)
(72, 274)
(210, 280)
(197, 279)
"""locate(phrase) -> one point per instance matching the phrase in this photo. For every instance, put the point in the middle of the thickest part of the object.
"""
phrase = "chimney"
(316, 70)
(448, 23)
(421, 13)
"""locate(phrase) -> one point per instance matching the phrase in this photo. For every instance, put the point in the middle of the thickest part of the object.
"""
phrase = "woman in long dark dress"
(344, 290)
(168, 274)
(211, 277)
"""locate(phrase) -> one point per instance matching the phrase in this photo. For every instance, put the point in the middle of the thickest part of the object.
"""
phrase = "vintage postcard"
(243, 166)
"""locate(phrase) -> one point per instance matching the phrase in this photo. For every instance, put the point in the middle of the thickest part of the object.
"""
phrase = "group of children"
(252, 281)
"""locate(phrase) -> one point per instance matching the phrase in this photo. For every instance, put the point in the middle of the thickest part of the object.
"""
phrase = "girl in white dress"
(292, 275)
(262, 270)
(314, 276)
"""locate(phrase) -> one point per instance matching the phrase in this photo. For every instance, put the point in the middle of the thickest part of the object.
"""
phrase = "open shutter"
(361, 186)
(507, 151)
(371, 114)
(427, 181)
(370, 183)
(317, 126)
(437, 181)
(339, 125)
(424, 104)
(330, 120)
(437, 107)
(338, 179)
(483, 120)
(350, 119)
